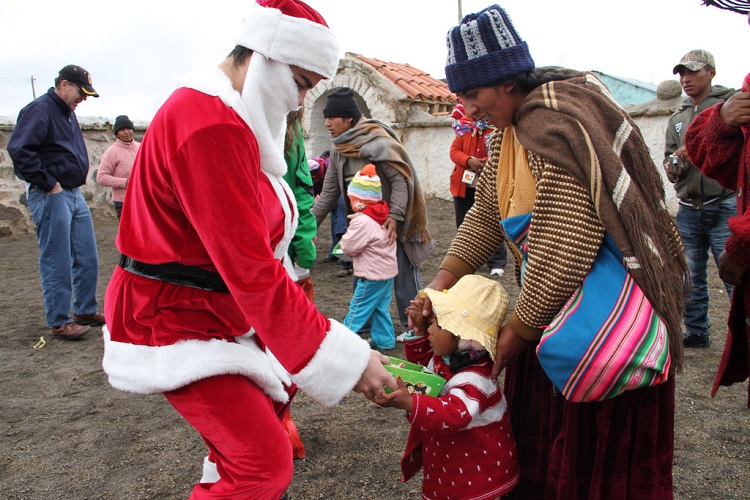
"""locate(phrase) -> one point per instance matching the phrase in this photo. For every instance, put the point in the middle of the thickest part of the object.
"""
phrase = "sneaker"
(330, 259)
(697, 341)
(497, 272)
(93, 319)
(344, 273)
(400, 338)
(70, 331)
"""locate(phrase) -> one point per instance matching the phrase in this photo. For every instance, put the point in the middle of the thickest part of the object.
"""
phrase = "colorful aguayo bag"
(607, 338)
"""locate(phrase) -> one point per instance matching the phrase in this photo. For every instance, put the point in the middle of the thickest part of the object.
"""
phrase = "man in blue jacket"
(49, 153)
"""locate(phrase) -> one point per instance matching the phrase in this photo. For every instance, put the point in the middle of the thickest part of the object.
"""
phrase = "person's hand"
(443, 280)
(476, 164)
(674, 171)
(400, 398)
(56, 189)
(729, 271)
(390, 225)
(735, 112)
(509, 347)
(414, 313)
(681, 153)
(375, 377)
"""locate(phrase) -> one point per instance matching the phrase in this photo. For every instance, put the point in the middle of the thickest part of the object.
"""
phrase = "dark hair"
(526, 82)
(239, 55)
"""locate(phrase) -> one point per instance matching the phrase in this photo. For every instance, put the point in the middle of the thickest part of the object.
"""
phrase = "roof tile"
(414, 82)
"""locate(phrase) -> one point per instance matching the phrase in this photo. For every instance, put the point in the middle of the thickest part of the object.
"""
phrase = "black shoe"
(697, 341)
(330, 259)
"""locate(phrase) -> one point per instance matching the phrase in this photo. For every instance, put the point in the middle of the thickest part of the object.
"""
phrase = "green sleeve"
(302, 249)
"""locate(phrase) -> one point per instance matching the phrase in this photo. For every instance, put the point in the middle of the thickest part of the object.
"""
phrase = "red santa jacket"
(198, 195)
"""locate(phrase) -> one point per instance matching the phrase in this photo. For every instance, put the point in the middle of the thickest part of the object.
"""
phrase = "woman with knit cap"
(117, 161)
(567, 154)
(204, 307)
(374, 259)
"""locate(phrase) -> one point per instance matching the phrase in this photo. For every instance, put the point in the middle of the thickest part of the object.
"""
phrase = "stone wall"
(14, 215)
(426, 137)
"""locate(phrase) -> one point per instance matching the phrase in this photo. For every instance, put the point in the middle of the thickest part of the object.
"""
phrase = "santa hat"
(291, 32)
(364, 190)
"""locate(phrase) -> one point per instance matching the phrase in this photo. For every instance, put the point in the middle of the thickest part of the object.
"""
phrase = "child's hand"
(414, 312)
(400, 398)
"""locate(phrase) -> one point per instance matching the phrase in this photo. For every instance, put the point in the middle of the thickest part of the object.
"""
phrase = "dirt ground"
(66, 434)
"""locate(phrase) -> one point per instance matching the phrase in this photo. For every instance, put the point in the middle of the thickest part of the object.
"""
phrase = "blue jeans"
(69, 262)
(372, 300)
(697, 239)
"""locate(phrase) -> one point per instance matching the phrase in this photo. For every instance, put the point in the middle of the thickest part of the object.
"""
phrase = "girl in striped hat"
(374, 259)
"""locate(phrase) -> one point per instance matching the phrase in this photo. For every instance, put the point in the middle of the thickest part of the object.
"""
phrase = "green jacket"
(691, 181)
(302, 249)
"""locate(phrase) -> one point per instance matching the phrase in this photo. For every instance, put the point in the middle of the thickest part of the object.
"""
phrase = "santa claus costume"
(205, 291)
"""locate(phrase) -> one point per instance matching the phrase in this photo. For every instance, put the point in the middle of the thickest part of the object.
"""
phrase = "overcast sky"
(137, 50)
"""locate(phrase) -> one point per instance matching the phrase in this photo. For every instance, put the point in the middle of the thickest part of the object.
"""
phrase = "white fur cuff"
(336, 367)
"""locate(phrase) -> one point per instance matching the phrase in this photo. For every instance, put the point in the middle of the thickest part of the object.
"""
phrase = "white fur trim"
(210, 474)
(290, 40)
(150, 369)
(212, 81)
(336, 367)
(487, 385)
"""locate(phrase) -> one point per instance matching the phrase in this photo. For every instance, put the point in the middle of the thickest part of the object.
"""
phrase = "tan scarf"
(516, 186)
(377, 142)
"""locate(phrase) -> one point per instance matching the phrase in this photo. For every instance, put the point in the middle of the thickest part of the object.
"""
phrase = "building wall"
(427, 138)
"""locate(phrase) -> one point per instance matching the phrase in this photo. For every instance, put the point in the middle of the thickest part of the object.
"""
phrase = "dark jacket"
(47, 145)
(692, 186)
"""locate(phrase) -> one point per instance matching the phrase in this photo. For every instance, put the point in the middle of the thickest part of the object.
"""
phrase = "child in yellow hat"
(462, 438)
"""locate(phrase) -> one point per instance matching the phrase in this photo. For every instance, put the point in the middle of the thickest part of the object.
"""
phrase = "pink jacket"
(367, 242)
(115, 166)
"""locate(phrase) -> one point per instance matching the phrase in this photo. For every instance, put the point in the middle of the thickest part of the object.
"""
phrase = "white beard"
(269, 94)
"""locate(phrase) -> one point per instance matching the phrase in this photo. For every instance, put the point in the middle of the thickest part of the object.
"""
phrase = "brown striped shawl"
(577, 125)
(377, 142)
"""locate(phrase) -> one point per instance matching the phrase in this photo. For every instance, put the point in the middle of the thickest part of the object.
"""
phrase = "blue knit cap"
(485, 49)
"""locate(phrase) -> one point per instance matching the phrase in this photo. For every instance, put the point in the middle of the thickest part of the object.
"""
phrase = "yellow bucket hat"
(473, 309)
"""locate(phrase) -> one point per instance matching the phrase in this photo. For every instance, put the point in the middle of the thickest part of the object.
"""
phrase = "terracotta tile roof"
(416, 83)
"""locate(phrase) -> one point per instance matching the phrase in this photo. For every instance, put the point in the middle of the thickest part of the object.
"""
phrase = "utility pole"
(460, 12)
(33, 90)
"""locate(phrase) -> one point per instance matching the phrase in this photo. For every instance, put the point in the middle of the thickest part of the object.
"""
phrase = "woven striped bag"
(607, 338)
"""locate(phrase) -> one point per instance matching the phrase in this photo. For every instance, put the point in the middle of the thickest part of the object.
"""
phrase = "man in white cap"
(205, 290)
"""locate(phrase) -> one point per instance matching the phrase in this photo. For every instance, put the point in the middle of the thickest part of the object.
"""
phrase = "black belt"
(176, 273)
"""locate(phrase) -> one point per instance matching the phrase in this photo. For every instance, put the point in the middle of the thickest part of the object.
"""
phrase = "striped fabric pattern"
(607, 339)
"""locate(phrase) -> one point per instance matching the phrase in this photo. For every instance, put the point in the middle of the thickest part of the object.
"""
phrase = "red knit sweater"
(723, 153)
(463, 437)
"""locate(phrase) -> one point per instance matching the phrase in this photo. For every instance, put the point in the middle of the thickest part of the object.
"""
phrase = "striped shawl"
(577, 125)
(377, 142)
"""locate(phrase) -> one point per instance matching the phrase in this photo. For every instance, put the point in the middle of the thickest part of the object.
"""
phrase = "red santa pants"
(246, 440)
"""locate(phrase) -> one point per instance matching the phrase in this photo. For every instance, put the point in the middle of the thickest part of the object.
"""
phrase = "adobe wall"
(427, 138)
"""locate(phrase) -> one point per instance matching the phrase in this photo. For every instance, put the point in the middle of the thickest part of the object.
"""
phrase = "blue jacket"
(47, 146)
